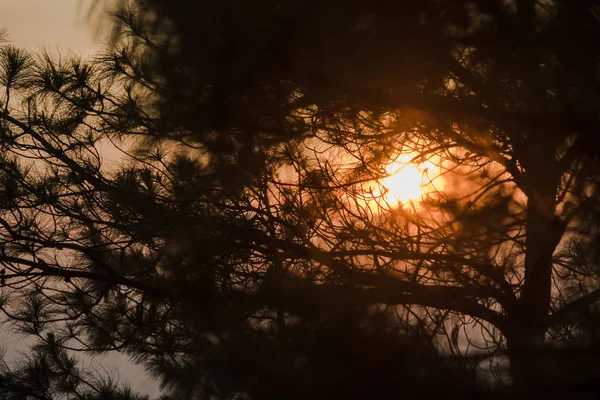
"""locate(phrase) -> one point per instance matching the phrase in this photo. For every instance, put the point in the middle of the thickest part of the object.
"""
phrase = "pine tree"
(245, 236)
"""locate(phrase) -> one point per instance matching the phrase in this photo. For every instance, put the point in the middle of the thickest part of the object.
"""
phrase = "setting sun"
(403, 184)
(407, 181)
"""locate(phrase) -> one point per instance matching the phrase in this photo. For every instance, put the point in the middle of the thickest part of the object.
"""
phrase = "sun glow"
(408, 182)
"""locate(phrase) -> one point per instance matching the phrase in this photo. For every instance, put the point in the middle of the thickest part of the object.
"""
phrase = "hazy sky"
(61, 25)
(55, 24)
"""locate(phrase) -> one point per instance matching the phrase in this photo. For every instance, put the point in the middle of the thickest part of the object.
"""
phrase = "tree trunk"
(529, 369)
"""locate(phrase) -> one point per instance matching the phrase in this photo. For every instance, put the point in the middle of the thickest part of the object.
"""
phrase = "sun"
(403, 183)
(408, 182)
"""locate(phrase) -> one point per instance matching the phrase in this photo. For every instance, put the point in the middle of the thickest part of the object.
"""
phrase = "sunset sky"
(57, 24)
(62, 26)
